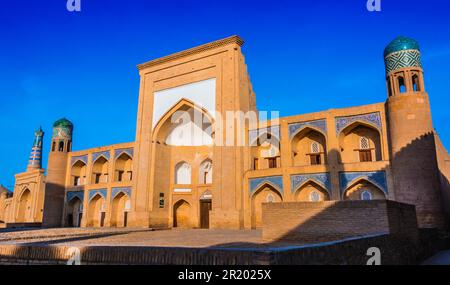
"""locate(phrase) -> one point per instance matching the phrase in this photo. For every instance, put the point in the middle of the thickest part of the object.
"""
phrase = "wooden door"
(205, 207)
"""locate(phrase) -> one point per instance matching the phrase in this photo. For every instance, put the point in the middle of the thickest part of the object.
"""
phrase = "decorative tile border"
(116, 190)
(96, 155)
(129, 151)
(294, 128)
(255, 183)
(323, 179)
(373, 119)
(253, 135)
(378, 178)
(83, 158)
(72, 194)
(102, 193)
(402, 59)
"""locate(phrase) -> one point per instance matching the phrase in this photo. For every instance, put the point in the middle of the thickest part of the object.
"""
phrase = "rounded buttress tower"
(61, 145)
(413, 152)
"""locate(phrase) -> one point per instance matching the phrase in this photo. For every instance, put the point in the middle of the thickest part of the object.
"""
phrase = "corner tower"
(61, 145)
(411, 134)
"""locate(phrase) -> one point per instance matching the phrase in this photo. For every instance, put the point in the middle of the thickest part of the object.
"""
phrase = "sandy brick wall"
(306, 222)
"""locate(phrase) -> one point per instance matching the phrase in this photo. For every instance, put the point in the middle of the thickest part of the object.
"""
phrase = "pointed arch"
(182, 214)
(74, 211)
(350, 142)
(165, 126)
(119, 209)
(304, 191)
(302, 143)
(123, 167)
(183, 173)
(265, 193)
(24, 206)
(361, 184)
(96, 211)
(100, 170)
(206, 172)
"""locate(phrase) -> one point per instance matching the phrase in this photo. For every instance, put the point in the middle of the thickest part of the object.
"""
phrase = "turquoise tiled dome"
(63, 123)
(401, 43)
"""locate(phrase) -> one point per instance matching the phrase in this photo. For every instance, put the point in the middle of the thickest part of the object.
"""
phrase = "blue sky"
(302, 56)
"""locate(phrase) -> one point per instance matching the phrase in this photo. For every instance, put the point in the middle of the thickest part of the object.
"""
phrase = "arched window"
(314, 196)
(366, 195)
(61, 146)
(415, 82)
(315, 147)
(364, 143)
(205, 175)
(54, 146)
(183, 173)
(401, 84)
(270, 198)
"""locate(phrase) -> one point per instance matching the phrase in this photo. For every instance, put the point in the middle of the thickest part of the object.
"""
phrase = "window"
(53, 146)
(61, 146)
(364, 143)
(366, 195)
(272, 162)
(401, 84)
(415, 81)
(120, 176)
(270, 198)
(76, 181)
(365, 153)
(69, 145)
(97, 177)
(315, 147)
(183, 173)
(315, 159)
(205, 174)
(314, 196)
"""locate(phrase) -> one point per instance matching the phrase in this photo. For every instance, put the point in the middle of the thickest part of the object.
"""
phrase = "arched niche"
(360, 142)
(24, 207)
(74, 212)
(183, 173)
(123, 170)
(266, 151)
(356, 190)
(205, 175)
(182, 214)
(120, 207)
(311, 191)
(266, 193)
(100, 170)
(308, 147)
(78, 173)
(96, 211)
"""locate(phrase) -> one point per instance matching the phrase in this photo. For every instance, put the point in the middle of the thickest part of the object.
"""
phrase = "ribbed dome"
(63, 123)
(401, 43)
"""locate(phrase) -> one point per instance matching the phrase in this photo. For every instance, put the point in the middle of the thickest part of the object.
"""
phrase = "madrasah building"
(170, 178)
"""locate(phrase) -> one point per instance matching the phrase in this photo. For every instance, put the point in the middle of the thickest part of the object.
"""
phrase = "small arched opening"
(266, 193)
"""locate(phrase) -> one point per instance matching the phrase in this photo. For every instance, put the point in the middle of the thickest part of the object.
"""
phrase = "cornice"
(223, 42)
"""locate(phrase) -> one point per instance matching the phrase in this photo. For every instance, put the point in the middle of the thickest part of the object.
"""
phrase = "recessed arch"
(78, 173)
(205, 175)
(182, 124)
(24, 206)
(265, 193)
(123, 167)
(74, 211)
(350, 143)
(266, 151)
(183, 173)
(358, 186)
(120, 207)
(182, 214)
(96, 211)
(303, 144)
(100, 170)
(303, 192)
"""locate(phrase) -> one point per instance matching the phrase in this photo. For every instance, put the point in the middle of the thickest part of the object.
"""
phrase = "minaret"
(411, 134)
(56, 172)
(35, 161)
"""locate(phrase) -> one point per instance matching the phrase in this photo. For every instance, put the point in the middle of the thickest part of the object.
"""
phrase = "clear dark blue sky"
(303, 56)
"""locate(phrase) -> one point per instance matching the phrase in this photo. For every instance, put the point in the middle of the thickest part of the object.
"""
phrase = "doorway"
(205, 207)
